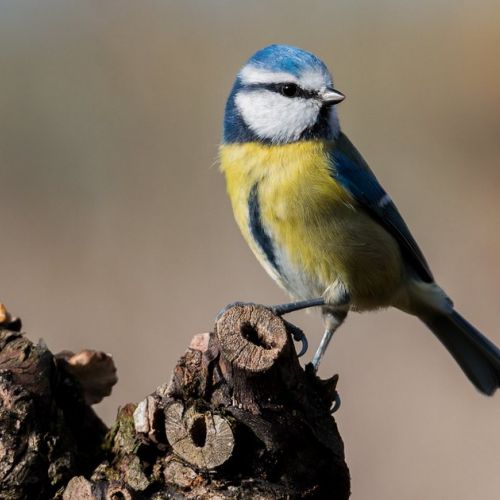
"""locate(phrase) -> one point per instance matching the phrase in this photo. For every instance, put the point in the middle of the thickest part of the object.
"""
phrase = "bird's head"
(283, 94)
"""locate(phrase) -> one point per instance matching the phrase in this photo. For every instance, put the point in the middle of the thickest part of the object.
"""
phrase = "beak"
(331, 96)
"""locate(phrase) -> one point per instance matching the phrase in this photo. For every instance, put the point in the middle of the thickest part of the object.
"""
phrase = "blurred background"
(116, 233)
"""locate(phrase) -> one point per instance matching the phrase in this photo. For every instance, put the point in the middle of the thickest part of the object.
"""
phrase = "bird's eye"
(289, 90)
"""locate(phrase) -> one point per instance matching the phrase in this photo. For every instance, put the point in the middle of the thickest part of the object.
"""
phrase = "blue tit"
(317, 218)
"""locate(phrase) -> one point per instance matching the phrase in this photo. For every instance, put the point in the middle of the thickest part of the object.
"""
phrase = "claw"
(336, 404)
(229, 306)
(298, 336)
(305, 344)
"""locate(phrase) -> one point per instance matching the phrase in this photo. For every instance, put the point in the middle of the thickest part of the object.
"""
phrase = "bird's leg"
(281, 309)
(338, 300)
(333, 319)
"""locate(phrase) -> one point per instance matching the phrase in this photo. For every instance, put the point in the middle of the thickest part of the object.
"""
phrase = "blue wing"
(353, 173)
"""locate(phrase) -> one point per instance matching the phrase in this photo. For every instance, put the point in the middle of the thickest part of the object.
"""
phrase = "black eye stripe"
(300, 92)
(279, 89)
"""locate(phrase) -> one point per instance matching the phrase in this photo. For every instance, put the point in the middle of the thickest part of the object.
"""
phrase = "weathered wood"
(203, 439)
(278, 438)
(240, 418)
(47, 432)
(251, 338)
(80, 488)
(94, 370)
(9, 322)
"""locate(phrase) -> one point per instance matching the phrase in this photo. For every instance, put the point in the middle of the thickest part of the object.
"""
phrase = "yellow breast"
(317, 229)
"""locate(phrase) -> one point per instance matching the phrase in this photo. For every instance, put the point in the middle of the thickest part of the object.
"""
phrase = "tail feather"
(478, 357)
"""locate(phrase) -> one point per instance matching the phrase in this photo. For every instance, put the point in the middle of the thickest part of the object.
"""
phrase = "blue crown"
(286, 58)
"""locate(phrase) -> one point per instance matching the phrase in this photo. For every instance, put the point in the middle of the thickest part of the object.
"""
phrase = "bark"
(47, 431)
(239, 418)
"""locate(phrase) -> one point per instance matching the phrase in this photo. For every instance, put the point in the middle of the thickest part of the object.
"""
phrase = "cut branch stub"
(94, 370)
(7, 321)
(251, 337)
(80, 488)
(203, 439)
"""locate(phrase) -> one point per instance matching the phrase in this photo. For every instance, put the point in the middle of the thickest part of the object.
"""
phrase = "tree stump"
(239, 418)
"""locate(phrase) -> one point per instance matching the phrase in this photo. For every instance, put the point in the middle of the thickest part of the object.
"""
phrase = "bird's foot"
(230, 306)
(336, 403)
(327, 388)
(297, 334)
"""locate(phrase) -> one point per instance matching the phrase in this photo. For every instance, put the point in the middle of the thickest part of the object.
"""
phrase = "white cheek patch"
(275, 117)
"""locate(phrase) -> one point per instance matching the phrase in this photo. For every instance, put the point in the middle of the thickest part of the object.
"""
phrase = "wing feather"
(350, 169)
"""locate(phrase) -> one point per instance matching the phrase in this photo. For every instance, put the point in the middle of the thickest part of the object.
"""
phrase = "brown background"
(116, 232)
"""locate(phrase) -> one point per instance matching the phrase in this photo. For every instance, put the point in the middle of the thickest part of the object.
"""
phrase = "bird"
(316, 217)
